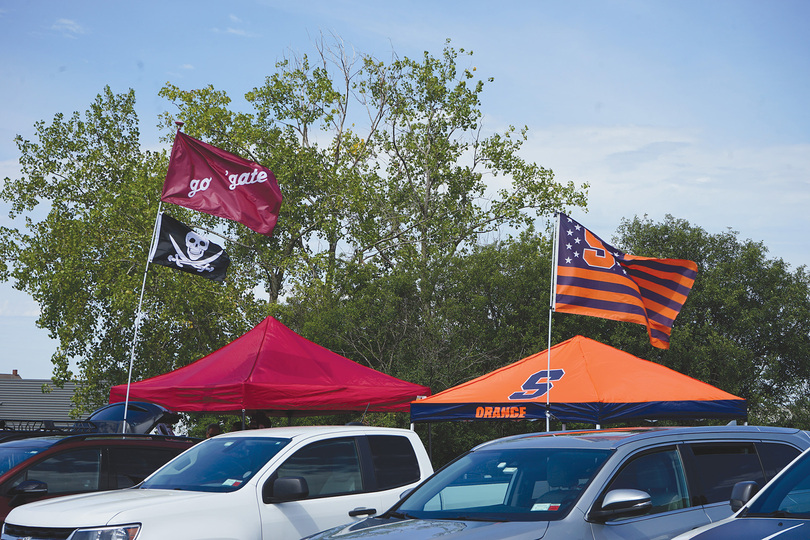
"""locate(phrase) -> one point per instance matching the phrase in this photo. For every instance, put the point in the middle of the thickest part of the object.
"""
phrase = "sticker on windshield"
(545, 507)
(231, 482)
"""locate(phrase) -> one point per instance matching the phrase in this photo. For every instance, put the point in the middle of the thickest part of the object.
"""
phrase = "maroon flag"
(208, 179)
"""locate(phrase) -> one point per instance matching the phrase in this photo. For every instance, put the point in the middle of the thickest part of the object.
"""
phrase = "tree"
(84, 262)
(382, 168)
(744, 327)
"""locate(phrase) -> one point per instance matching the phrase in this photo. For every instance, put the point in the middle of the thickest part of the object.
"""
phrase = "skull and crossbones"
(195, 248)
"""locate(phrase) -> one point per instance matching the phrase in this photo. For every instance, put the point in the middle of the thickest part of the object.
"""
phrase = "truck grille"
(14, 532)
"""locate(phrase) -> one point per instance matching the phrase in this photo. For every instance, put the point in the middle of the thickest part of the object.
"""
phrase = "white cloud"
(16, 303)
(68, 28)
(634, 171)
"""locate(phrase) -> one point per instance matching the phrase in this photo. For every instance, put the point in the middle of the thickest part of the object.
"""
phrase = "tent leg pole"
(243, 419)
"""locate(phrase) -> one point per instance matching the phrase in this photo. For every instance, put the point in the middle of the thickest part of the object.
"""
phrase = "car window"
(129, 466)
(330, 467)
(395, 462)
(775, 456)
(71, 471)
(220, 464)
(661, 475)
(514, 484)
(788, 496)
(721, 465)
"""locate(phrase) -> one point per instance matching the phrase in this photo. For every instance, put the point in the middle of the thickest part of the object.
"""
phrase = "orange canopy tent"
(588, 382)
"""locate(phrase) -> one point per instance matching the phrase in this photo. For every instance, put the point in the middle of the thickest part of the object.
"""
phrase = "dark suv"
(45, 458)
(34, 468)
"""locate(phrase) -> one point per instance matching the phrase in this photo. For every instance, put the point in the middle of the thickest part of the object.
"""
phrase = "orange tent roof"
(588, 382)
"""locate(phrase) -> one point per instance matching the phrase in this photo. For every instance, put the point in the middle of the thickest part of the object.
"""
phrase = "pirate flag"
(179, 247)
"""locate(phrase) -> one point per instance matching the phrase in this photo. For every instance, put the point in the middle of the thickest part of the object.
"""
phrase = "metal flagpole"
(138, 314)
(555, 239)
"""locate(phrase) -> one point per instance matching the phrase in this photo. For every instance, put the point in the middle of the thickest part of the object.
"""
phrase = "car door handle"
(362, 512)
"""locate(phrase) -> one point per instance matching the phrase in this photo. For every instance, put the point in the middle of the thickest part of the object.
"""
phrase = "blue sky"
(692, 108)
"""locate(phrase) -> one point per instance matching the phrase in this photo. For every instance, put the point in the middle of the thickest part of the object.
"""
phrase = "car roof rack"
(11, 429)
(67, 427)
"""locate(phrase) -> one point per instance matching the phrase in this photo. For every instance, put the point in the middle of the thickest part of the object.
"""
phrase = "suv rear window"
(775, 457)
(721, 465)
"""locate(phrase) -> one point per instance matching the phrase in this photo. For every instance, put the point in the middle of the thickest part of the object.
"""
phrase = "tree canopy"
(388, 176)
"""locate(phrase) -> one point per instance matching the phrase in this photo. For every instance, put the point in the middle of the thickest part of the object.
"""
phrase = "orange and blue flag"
(594, 278)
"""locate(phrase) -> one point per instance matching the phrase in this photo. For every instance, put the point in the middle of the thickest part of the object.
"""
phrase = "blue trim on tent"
(593, 413)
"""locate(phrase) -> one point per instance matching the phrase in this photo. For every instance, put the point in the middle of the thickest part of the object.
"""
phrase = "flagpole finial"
(179, 124)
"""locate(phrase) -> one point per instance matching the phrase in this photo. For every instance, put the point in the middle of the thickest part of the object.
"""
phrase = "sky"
(697, 109)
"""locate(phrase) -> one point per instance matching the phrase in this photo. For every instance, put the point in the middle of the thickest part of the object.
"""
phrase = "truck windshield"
(519, 484)
(220, 464)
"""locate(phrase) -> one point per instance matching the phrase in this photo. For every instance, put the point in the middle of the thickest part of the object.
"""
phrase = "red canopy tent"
(273, 369)
(589, 382)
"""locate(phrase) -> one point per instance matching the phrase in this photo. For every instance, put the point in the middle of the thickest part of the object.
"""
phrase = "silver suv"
(608, 484)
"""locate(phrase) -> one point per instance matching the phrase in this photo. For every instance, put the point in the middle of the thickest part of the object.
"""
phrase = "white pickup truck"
(275, 483)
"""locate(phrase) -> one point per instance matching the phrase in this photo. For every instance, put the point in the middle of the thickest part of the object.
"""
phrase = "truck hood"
(408, 529)
(110, 507)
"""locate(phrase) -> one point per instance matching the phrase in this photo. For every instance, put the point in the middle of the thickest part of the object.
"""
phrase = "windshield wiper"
(471, 518)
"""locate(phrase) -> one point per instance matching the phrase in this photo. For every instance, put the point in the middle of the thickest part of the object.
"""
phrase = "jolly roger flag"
(178, 246)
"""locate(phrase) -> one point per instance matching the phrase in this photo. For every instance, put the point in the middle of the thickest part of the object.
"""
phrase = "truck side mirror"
(288, 488)
(741, 493)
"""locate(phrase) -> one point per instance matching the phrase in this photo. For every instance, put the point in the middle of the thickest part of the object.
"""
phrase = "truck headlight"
(118, 532)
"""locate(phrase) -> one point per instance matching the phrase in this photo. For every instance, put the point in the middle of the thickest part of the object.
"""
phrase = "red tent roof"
(590, 382)
(272, 368)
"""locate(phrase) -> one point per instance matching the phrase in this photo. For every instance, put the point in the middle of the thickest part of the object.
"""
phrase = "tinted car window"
(330, 467)
(395, 462)
(71, 471)
(775, 457)
(661, 475)
(130, 466)
(721, 465)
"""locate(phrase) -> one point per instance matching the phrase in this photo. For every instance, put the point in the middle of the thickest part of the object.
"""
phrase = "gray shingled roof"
(23, 399)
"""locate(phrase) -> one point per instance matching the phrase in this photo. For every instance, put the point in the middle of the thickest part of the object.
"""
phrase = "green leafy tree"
(84, 261)
(382, 167)
(744, 327)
